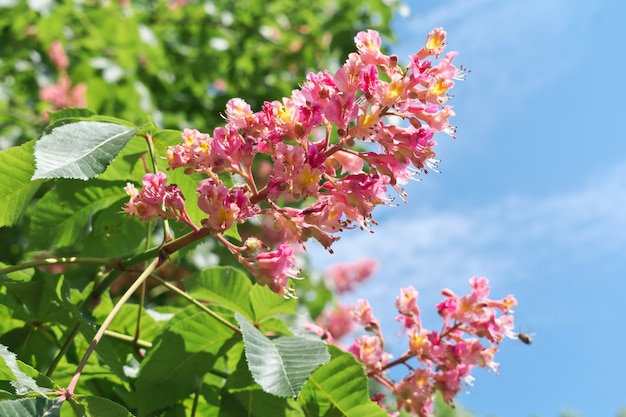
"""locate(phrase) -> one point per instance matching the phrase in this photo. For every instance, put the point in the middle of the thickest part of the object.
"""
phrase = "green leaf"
(128, 164)
(225, 286)
(40, 300)
(175, 365)
(80, 150)
(31, 407)
(22, 383)
(23, 275)
(42, 303)
(120, 234)
(281, 366)
(241, 396)
(339, 388)
(102, 407)
(64, 214)
(16, 188)
(267, 303)
(69, 112)
(188, 184)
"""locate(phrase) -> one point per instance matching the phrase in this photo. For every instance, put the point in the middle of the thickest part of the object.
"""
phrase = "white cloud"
(507, 241)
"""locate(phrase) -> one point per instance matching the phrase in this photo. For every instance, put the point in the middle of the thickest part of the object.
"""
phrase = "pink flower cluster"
(62, 94)
(343, 277)
(156, 200)
(318, 183)
(445, 358)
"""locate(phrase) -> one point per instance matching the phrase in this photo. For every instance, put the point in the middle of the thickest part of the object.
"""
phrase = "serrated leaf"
(225, 286)
(79, 150)
(22, 383)
(242, 397)
(339, 389)
(175, 365)
(128, 164)
(64, 214)
(16, 188)
(31, 407)
(280, 366)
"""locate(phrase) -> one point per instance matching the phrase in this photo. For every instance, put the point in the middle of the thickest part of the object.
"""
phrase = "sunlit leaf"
(31, 407)
(339, 389)
(102, 407)
(267, 303)
(225, 286)
(176, 364)
(22, 383)
(80, 150)
(281, 366)
(16, 187)
(241, 396)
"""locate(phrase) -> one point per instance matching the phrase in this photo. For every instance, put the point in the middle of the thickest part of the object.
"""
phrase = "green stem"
(133, 341)
(142, 299)
(63, 350)
(196, 397)
(103, 285)
(105, 325)
(197, 303)
(162, 252)
(111, 263)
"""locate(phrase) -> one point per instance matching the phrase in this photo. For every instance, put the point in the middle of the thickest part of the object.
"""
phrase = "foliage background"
(176, 63)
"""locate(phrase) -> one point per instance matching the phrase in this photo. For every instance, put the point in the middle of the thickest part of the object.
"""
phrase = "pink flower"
(223, 205)
(238, 113)
(407, 302)
(337, 321)
(62, 95)
(157, 200)
(153, 191)
(58, 56)
(435, 44)
(368, 350)
(275, 268)
(368, 44)
(345, 276)
(363, 314)
(415, 393)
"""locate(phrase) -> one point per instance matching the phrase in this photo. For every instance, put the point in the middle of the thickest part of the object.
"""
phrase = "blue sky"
(532, 195)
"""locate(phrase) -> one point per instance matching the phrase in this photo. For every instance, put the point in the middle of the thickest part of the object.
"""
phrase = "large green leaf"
(242, 397)
(43, 303)
(226, 286)
(31, 407)
(68, 113)
(120, 234)
(175, 365)
(80, 150)
(21, 382)
(266, 303)
(64, 214)
(102, 407)
(41, 300)
(128, 165)
(16, 187)
(339, 389)
(281, 366)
